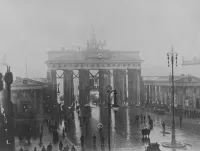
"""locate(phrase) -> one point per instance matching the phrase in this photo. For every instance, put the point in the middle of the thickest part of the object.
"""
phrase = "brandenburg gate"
(119, 64)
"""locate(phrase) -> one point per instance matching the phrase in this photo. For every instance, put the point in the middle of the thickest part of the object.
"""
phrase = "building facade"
(27, 96)
(186, 88)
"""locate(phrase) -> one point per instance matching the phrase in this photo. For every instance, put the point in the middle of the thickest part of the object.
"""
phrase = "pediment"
(26, 82)
(188, 79)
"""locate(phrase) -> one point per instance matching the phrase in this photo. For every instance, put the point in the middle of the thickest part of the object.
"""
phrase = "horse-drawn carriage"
(145, 132)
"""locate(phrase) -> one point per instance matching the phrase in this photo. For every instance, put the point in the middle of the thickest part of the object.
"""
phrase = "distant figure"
(43, 149)
(60, 145)
(82, 140)
(41, 137)
(94, 139)
(102, 141)
(163, 125)
(66, 148)
(35, 148)
(21, 149)
(73, 148)
(49, 147)
(41, 128)
(180, 121)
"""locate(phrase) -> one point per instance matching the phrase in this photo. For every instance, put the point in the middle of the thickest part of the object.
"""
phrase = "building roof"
(26, 83)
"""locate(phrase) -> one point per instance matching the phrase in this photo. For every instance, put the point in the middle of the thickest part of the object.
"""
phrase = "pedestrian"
(41, 137)
(49, 147)
(180, 121)
(94, 139)
(63, 133)
(43, 149)
(60, 145)
(73, 148)
(66, 148)
(102, 141)
(35, 148)
(163, 125)
(82, 140)
(41, 128)
(21, 149)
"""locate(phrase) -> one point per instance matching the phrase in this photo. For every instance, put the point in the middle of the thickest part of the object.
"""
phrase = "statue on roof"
(93, 44)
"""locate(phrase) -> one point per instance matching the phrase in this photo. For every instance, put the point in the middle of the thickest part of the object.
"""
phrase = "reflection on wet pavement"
(125, 132)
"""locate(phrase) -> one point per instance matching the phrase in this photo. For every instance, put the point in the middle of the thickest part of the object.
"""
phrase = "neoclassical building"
(187, 90)
(27, 96)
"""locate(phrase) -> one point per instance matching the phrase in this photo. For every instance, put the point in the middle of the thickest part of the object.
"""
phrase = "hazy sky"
(30, 28)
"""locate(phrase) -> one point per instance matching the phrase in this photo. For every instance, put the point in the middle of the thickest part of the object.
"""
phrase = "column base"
(173, 145)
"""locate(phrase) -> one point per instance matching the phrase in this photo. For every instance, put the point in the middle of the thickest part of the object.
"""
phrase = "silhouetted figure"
(102, 141)
(94, 139)
(82, 140)
(41, 137)
(66, 148)
(60, 145)
(163, 125)
(43, 149)
(21, 149)
(73, 148)
(49, 147)
(180, 121)
(41, 128)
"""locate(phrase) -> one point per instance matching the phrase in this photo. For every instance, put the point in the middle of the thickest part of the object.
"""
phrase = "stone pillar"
(83, 87)
(67, 88)
(150, 94)
(153, 93)
(104, 81)
(41, 102)
(133, 86)
(53, 81)
(147, 89)
(120, 84)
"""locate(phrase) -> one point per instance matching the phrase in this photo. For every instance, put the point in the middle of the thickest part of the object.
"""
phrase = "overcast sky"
(30, 28)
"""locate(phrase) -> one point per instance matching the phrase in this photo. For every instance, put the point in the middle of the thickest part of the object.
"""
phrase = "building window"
(25, 108)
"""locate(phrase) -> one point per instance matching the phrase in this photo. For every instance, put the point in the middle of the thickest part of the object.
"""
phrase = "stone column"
(53, 81)
(104, 81)
(67, 88)
(120, 84)
(83, 87)
(147, 91)
(150, 94)
(41, 102)
(132, 85)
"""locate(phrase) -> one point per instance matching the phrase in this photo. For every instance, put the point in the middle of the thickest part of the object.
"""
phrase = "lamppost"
(115, 106)
(172, 58)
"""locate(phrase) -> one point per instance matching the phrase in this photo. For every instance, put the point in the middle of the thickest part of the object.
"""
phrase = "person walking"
(21, 149)
(60, 145)
(180, 121)
(73, 148)
(102, 141)
(66, 148)
(41, 137)
(49, 147)
(82, 140)
(35, 149)
(43, 149)
(94, 139)
(163, 125)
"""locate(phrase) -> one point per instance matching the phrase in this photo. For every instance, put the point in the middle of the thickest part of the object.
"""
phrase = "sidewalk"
(47, 138)
(189, 125)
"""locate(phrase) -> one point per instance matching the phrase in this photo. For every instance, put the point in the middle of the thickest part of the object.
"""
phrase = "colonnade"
(123, 81)
(186, 96)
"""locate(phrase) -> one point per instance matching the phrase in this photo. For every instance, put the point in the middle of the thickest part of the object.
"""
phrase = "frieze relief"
(95, 66)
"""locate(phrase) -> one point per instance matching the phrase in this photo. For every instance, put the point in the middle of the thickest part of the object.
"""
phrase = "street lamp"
(172, 58)
(115, 107)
